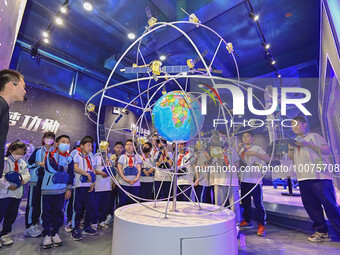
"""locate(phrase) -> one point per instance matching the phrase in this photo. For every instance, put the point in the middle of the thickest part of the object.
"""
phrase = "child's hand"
(250, 153)
(89, 177)
(42, 164)
(67, 194)
(12, 188)
(104, 175)
(146, 172)
(113, 185)
(91, 187)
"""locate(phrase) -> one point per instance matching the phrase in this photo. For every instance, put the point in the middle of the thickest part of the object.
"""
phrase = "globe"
(177, 116)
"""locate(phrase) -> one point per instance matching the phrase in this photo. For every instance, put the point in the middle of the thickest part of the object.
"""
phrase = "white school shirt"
(162, 175)
(151, 162)
(124, 160)
(223, 176)
(305, 160)
(80, 159)
(252, 174)
(4, 184)
(203, 170)
(185, 179)
(102, 184)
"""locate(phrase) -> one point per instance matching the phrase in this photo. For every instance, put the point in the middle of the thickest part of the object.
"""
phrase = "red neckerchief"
(226, 159)
(16, 166)
(64, 154)
(130, 159)
(87, 158)
(181, 158)
(146, 157)
(244, 151)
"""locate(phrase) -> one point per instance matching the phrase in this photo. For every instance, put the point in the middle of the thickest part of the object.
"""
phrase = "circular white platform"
(138, 230)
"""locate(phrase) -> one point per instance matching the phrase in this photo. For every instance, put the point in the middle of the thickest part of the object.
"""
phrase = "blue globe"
(177, 116)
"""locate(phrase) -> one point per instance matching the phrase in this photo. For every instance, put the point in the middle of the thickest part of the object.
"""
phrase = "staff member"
(12, 88)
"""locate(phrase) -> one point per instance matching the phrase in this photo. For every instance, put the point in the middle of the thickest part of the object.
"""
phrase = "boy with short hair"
(146, 178)
(56, 187)
(254, 156)
(316, 187)
(129, 169)
(84, 195)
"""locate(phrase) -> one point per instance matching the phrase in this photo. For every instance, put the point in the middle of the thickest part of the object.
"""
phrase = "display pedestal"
(139, 230)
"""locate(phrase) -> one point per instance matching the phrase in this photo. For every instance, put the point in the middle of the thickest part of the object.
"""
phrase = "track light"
(254, 16)
(45, 40)
(45, 34)
(87, 5)
(63, 9)
(162, 58)
(273, 62)
(266, 45)
(58, 20)
(131, 36)
(278, 75)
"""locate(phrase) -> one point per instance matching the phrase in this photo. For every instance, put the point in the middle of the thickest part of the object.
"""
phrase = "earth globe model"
(177, 116)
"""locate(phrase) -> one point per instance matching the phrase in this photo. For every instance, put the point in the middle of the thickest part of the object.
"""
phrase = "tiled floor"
(279, 240)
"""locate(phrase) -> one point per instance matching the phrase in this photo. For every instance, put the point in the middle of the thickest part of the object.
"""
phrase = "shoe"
(103, 226)
(76, 235)
(32, 232)
(38, 227)
(68, 227)
(6, 240)
(57, 241)
(318, 237)
(94, 226)
(90, 231)
(47, 242)
(261, 230)
(245, 225)
(21, 212)
(109, 219)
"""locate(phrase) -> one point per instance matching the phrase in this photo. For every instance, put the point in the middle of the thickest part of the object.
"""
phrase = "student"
(225, 181)
(185, 179)
(11, 194)
(154, 149)
(103, 188)
(163, 159)
(129, 169)
(36, 164)
(254, 156)
(316, 187)
(56, 187)
(84, 194)
(146, 178)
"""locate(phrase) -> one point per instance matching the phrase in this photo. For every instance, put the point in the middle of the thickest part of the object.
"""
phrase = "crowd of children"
(76, 184)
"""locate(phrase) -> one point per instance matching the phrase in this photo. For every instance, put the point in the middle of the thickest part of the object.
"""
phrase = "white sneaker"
(38, 227)
(109, 219)
(103, 226)
(6, 240)
(318, 237)
(21, 212)
(47, 242)
(94, 226)
(57, 240)
(68, 227)
(32, 232)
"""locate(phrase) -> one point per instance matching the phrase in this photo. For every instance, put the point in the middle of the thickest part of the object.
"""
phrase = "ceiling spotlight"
(278, 75)
(131, 36)
(87, 6)
(63, 9)
(266, 45)
(58, 20)
(273, 62)
(162, 58)
(45, 40)
(45, 34)
(254, 16)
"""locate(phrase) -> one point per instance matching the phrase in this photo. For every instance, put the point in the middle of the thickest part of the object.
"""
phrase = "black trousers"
(164, 190)
(256, 194)
(145, 190)
(103, 199)
(182, 197)
(204, 194)
(83, 200)
(52, 213)
(319, 195)
(33, 207)
(8, 212)
(125, 199)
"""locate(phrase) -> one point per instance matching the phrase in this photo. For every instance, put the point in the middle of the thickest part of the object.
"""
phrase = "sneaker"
(76, 235)
(56, 240)
(109, 219)
(90, 231)
(261, 230)
(68, 227)
(318, 237)
(94, 226)
(38, 227)
(47, 242)
(103, 226)
(6, 240)
(32, 232)
(21, 212)
(245, 225)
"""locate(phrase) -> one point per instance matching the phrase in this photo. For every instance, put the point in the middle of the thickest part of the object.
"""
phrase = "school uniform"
(33, 207)
(83, 200)
(115, 192)
(185, 180)
(146, 182)
(69, 203)
(10, 200)
(249, 178)
(53, 190)
(227, 180)
(204, 189)
(163, 178)
(316, 187)
(103, 190)
(129, 164)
